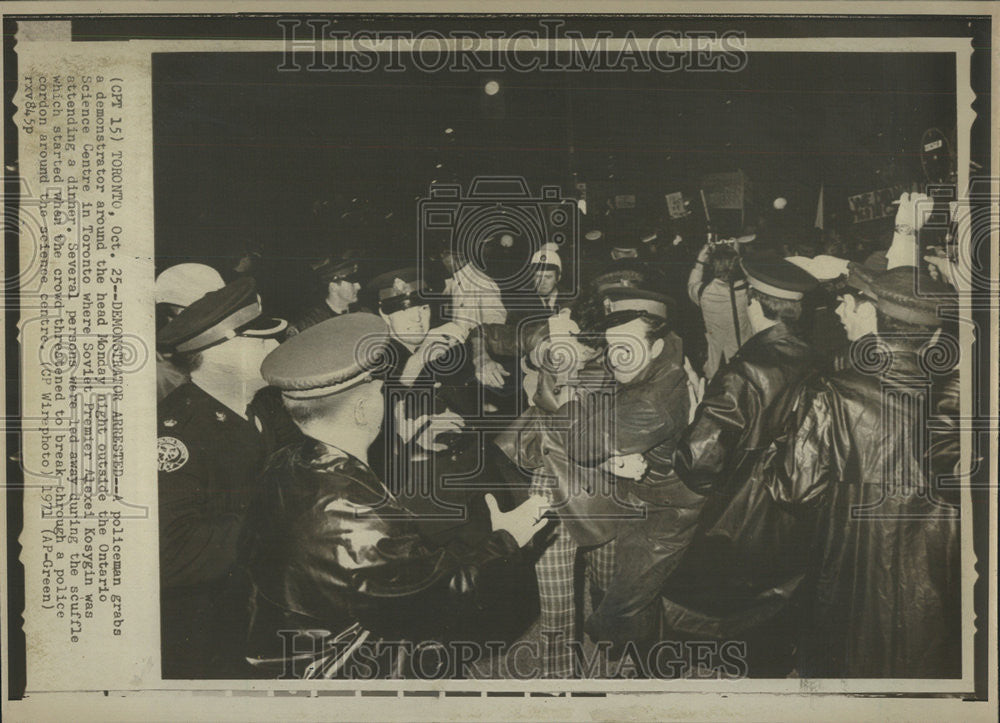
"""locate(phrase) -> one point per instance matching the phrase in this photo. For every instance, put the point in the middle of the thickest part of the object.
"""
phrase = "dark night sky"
(245, 154)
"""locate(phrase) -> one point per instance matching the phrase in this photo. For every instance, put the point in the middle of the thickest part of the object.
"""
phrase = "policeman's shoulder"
(175, 438)
(176, 410)
(188, 418)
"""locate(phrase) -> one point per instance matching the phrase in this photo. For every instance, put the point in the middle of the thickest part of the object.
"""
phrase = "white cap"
(184, 284)
(821, 268)
(547, 255)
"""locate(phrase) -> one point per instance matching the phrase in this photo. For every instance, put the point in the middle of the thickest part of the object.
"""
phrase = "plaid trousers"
(557, 592)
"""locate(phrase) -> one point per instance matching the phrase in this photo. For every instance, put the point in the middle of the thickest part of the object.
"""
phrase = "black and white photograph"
(556, 355)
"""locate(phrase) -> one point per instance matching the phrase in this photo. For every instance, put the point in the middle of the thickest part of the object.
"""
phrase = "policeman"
(414, 393)
(333, 556)
(208, 457)
(401, 304)
(746, 547)
(874, 448)
(176, 288)
(339, 278)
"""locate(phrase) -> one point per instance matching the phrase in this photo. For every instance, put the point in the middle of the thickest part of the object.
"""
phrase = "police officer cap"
(234, 310)
(823, 268)
(328, 358)
(621, 275)
(399, 289)
(333, 269)
(904, 293)
(183, 284)
(778, 278)
(630, 294)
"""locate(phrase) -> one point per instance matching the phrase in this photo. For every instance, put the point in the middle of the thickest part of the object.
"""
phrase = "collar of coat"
(326, 458)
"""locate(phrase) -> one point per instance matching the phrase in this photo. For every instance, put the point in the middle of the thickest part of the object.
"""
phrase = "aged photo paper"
(180, 178)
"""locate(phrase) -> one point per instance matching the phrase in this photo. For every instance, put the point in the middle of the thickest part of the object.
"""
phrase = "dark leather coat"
(743, 411)
(328, 547)
(643, 416)
(748, 555)
(871, 452)
(649, 414)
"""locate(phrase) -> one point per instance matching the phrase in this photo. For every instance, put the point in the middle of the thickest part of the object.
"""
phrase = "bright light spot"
(780, 203)
(448, 131)
(492, 87)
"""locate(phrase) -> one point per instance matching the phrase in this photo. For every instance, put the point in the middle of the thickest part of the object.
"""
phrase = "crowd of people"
(752, 456)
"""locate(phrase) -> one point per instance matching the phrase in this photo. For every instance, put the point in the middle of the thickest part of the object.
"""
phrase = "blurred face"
(545, 281)
(857, 315)
(240, 358)
(629, 352)
(346, 291)
(409, 326)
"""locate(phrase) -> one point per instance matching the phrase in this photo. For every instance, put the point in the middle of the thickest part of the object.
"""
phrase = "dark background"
(298, 164)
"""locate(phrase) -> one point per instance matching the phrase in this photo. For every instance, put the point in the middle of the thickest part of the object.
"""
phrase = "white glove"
(522, 522)
(914, 208)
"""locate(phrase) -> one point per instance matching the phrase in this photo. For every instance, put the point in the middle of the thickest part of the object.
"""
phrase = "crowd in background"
(718, 439)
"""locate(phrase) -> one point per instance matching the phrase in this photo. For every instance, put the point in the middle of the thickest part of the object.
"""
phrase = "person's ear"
(361, 410)
(656, 349)
(369, 410)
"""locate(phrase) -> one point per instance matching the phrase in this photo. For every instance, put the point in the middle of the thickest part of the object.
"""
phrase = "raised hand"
(522, 522)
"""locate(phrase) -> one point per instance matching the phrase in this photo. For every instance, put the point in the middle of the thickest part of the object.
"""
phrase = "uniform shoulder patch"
(171, 454)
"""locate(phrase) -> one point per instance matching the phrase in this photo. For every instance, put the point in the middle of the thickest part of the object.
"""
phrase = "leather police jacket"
(328, 547)
(873, 451)
(747, 558)
(743, 411)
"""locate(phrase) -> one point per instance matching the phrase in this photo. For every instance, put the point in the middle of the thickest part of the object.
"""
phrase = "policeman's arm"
(797, 467)
(390, 559)
(708, 448)
(197, 544)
